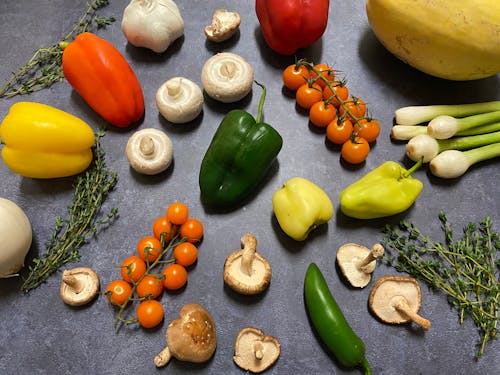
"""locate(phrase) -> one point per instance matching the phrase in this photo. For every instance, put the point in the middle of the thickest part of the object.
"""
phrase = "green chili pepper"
(330, 323)
(241, 152)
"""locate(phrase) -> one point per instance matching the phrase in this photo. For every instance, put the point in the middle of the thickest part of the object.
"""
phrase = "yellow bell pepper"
(45, 142)
(300, 206)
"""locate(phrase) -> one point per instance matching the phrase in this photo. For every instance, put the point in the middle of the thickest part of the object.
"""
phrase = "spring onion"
(425, 147)
(443, 127)
(454, 163)
(415, 115)
(407, 132)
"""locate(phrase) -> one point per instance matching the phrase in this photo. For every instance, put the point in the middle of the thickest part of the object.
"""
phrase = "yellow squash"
(41, 141)
(451, 39)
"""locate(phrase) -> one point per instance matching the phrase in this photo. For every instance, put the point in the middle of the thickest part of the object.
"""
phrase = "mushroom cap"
(388, 291)
(79, 286)
(349, 257)
(179, 100)
(192, 337)
(250, 340)
(227, 77)
(224, 25)
(149, 151)
(239, 281)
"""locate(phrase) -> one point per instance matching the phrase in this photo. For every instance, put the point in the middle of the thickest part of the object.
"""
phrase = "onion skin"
(15, 238)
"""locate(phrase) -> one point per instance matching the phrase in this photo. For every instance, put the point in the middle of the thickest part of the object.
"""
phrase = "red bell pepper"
(288, 25)
(104, 79)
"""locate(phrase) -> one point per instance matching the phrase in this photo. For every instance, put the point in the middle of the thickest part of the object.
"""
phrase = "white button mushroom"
(79, 286)
(246, 271)
(397, 300)
(254, 351)
(192, 337)
(149, 151)
(179, 100)
(224, 25)
(153, 24)
(227, 77)
(357, 262)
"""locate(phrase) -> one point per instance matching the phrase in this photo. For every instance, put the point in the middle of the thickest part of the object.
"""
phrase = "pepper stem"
(260, 108)
(417, 165)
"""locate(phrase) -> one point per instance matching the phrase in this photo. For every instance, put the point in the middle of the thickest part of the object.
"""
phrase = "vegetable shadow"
(217, 47)
(245, 299)
(225, 108)
(417, 87)
(142, 54)
(312, 53)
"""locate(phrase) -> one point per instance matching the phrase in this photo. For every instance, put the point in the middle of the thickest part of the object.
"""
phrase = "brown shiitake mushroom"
(357, 262)
(254, 351)
(191, 338)
(79, 286)
(246, 271)
(397, 300)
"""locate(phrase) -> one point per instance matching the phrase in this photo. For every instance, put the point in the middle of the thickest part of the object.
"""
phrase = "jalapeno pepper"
(330, 323)
(240, 153)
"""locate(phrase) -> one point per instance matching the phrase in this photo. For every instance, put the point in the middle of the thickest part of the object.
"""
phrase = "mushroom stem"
(401, 305)
(147, 146)
(163, 357)
(174, 87)
(376, 252)
(258, 350)
(249, 243)
(228, 69)
(73, 282)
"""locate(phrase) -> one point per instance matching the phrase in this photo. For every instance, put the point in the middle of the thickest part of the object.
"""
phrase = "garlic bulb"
(153, 24)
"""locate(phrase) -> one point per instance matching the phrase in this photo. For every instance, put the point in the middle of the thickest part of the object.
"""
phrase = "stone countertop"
(42, 335)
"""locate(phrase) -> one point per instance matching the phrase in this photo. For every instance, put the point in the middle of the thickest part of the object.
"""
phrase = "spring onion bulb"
(425, 147)
(443, 127)
(415, 115)
(407, 132)
(454, 163)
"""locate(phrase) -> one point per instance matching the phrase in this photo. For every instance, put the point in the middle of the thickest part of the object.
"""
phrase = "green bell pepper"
(387, 190)
(238, 157)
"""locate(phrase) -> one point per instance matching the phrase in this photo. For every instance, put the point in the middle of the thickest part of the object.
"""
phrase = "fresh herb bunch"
(44, 68)
(465, 269)
(82, 222)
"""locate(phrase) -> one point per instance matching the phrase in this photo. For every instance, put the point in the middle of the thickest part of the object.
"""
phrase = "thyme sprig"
(83, 221)
(465, 269)
(44, 68)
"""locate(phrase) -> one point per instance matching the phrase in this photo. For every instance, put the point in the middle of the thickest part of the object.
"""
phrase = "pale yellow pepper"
(41, 141)
(300, 206)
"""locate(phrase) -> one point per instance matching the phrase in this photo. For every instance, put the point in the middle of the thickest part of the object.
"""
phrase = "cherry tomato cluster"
(172, 248)
(330, 105)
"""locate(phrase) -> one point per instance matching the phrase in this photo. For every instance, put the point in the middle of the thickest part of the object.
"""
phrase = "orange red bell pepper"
(288, 25)
(104, 79)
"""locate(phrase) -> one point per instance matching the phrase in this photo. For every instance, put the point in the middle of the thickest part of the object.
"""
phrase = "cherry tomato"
(149, 313)
(340, 89)
(355, 150)
(185, 254)
(150, 286)
(339, 133)
(132, 269)
(163, 227)
(175, 276)
(322, 113)
(295, 76)
(149, 248)
(118, 292)
(356, 107)
(326, 71)
(177, 213)
(308, 94)
(369, 130)
(192, 229)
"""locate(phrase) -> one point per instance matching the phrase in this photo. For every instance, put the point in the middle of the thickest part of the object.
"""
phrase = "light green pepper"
(300, 206)
(387, 190)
